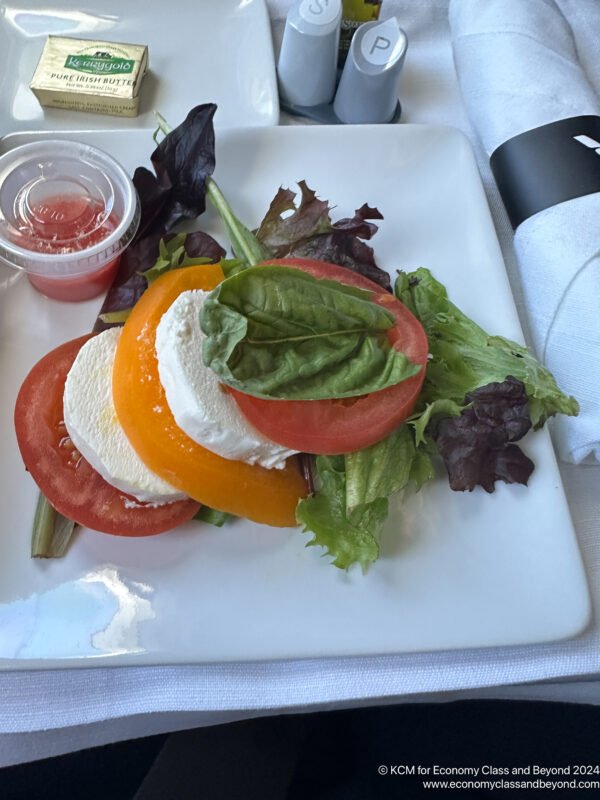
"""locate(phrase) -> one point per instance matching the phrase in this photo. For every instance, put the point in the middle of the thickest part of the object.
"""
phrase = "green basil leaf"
(231, 266)
(278, 332)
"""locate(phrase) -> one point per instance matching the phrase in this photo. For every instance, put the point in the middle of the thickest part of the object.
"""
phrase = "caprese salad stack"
(138, 431)
(225, 369)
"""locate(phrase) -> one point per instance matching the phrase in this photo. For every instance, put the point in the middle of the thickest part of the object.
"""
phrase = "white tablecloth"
(44, 714)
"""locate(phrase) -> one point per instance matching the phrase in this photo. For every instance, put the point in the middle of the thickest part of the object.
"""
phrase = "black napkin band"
(548, 165)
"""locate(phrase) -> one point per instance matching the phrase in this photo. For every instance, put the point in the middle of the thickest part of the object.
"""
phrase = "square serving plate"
(199, 51)
(456, 570)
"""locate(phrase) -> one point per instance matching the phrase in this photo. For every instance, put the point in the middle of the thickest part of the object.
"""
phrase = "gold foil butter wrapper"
(90, 75)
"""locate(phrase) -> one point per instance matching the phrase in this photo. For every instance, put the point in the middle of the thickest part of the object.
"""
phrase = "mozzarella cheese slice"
(199, 403)
(92, 424)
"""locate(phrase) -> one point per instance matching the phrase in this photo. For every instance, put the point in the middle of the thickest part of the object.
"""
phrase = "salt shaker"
(309, 51)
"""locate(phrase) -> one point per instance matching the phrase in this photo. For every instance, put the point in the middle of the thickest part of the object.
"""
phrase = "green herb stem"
(244, 243)
(52, 533)
(213, 517)
(115, 317)
(162, 126)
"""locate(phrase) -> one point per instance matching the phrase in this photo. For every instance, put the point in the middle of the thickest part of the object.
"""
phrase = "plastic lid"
(66, 208)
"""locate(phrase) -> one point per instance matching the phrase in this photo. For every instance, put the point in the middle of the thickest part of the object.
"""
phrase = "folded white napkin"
(518, 68)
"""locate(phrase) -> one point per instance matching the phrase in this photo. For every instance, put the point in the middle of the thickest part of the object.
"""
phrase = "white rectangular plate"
(456, 570)
(200, 51)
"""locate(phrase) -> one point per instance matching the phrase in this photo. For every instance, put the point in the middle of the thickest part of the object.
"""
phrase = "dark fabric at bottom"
(337, 755)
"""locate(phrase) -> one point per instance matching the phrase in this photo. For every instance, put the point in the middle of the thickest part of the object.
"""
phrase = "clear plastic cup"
(67, 212)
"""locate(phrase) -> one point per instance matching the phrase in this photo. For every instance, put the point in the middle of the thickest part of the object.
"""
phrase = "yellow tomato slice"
(262, 495)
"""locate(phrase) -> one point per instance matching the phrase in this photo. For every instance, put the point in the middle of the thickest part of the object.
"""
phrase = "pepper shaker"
(368, 88)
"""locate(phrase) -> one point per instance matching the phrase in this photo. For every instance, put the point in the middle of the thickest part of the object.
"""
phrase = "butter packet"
(90, 75)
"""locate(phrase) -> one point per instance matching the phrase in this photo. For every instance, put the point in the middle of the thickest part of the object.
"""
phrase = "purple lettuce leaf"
(182, 162)
(129, 284)
(310, 218)
(306, 231)
(477, 446)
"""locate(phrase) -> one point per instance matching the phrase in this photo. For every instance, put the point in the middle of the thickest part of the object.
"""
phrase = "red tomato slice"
(342, 426)
(69, 483)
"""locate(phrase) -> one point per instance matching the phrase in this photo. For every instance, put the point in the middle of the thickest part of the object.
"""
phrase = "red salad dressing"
(69, 224)
(80, 287)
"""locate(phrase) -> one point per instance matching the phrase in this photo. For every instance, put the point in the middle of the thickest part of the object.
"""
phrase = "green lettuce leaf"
(385, 468)
(348, 510)
(172, 255)
(213, 517)
(349, 538)
(278, 332)
(464, 357)
(432, 412)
